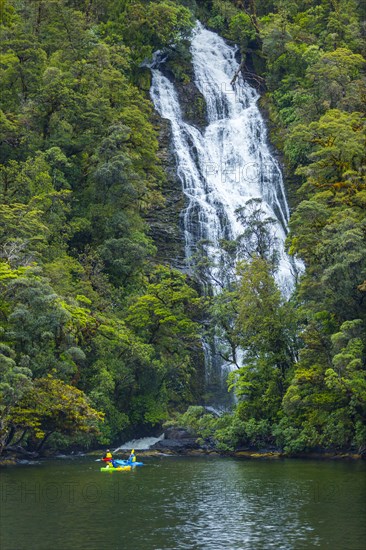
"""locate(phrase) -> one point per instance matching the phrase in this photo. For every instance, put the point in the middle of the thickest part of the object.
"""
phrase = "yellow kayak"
(118, 469)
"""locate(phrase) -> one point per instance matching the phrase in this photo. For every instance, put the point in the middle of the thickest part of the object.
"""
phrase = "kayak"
(118, 469)
(126, 463)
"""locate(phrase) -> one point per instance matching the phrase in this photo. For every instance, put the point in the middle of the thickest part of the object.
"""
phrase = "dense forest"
(100, 338)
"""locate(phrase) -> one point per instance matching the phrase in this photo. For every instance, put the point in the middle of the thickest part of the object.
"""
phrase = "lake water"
(184, 503)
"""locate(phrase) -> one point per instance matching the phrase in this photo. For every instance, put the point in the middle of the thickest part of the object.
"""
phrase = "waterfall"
(141, 444)
(224, 166)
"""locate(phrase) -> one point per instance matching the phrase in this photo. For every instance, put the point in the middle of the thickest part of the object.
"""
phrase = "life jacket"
(107, 456)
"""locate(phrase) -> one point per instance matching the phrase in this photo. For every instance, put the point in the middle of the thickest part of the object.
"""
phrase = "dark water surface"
(184, 503)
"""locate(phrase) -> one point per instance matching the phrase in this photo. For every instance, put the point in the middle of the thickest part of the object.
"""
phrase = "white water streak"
(139, 444)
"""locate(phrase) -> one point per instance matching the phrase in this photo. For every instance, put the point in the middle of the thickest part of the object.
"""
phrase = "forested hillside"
(97, 337)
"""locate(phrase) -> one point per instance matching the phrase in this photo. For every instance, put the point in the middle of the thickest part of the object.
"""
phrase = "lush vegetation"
(92, 327)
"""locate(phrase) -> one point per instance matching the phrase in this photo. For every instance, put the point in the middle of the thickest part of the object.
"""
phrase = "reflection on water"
(225, 509)
(184, 503)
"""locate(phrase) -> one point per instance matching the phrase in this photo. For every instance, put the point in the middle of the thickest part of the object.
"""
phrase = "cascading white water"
(227, 164)
(141, 444)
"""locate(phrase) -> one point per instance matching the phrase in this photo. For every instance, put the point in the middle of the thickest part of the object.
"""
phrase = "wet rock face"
(176, 445)
(181, 441)
(193, 105)
(178, 68)
(164, 221)
(177, 433)
(191, 100)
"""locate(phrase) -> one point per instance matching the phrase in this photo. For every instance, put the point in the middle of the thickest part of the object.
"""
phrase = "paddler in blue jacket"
(132, 457)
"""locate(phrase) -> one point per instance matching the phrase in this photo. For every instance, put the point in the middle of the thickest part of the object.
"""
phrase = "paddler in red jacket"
(108, 457)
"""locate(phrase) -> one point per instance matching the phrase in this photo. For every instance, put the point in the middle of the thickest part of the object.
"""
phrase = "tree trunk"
(9, 437)
(21, 437)
(40, 446)
(19, 450)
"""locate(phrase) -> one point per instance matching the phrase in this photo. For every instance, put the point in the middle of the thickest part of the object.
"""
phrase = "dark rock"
(177, 445)
(179, 69)
(177, 433)
(193, 105)
(192, 102)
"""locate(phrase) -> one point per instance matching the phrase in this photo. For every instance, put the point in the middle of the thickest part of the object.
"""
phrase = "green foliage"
(165, 317)
(242, 29)
(258, 330)
(325, 400)
(257, 240)
(315, 74)
(226, 432)
(336, 147)
(15, 381)
(151, 26)
(51, 405)
(267, 334)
